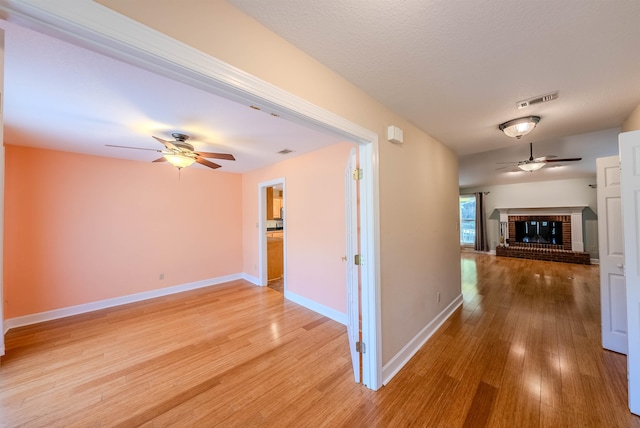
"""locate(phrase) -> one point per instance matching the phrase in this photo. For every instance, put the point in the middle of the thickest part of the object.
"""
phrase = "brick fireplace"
(569, 250)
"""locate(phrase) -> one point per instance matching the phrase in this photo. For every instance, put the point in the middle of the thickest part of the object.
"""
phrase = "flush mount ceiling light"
(517, 128)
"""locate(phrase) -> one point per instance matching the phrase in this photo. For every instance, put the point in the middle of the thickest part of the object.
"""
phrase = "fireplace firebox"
(539, 232)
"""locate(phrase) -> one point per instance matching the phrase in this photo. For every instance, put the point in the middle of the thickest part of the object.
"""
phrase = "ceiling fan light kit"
(518, 128)
(179, 161)
(530, 167)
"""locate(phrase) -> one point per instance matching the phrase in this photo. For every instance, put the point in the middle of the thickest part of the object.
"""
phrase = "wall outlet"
(438, 297)
(161, 276)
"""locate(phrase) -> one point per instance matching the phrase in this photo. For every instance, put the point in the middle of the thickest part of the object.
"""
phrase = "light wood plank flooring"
(524, 351)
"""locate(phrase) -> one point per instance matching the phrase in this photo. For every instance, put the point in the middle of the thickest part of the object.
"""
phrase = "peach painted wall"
(418, 181)
(315, 223)
(80, 228)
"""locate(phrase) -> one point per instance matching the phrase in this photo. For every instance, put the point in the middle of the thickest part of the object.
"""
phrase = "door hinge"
(357, 260)
(360, 347)
(358, 174)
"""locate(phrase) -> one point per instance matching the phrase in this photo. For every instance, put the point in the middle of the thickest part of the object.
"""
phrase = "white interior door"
(613, 293)
(353, 313)
(630, 186)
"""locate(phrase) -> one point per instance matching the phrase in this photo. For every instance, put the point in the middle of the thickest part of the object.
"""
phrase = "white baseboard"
(317, 307)
(409, 350)
(595, 261)
(116, 301)
(251, 279)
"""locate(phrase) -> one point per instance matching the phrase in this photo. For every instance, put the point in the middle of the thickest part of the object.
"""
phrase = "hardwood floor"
(524, 351)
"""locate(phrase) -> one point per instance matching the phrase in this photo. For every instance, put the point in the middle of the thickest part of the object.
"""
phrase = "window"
(467, 219)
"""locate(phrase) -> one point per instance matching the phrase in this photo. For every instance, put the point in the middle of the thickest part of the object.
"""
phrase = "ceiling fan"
(181, 154)
(534, 164)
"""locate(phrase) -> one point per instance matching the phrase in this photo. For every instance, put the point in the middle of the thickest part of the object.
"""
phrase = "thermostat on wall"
(394, 134)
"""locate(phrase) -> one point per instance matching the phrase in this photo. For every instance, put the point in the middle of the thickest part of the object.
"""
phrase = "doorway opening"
(274, 213)
(272, 230)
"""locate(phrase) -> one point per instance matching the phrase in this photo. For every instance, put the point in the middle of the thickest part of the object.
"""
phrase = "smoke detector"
(537, 100)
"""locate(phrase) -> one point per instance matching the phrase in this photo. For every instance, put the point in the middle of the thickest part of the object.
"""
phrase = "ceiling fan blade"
(205, 162)
(540, 159)
(564, 160)
(168, 144)
(216, 155)
(137, 148)
(544, 158)
(162, 159)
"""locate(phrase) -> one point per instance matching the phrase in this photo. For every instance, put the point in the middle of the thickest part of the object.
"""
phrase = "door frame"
(103, 30)
(262, 230)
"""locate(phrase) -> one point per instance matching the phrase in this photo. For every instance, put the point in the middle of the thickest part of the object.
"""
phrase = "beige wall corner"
(633, 121)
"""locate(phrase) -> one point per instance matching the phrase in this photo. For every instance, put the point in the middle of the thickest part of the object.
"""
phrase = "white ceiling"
(455, 69)
(63, 97)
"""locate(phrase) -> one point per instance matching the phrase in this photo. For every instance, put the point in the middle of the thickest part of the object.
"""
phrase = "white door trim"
(94, 26)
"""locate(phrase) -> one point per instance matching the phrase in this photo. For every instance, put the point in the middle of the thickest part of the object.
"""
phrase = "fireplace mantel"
(541, 211)
(577, 242)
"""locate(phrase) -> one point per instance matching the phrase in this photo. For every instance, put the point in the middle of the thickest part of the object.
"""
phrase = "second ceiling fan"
(534, 164)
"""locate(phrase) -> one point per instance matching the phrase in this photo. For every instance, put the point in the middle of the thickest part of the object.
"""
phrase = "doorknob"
(620, 265)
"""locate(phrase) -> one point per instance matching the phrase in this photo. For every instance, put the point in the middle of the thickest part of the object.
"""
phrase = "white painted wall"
(559, 193)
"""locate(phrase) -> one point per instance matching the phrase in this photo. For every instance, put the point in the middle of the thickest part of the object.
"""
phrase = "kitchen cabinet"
(274, 203)
(269, 203)
(275, 258)
(277, 204)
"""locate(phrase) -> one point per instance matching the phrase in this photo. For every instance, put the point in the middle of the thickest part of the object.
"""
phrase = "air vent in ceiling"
(537, 100)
